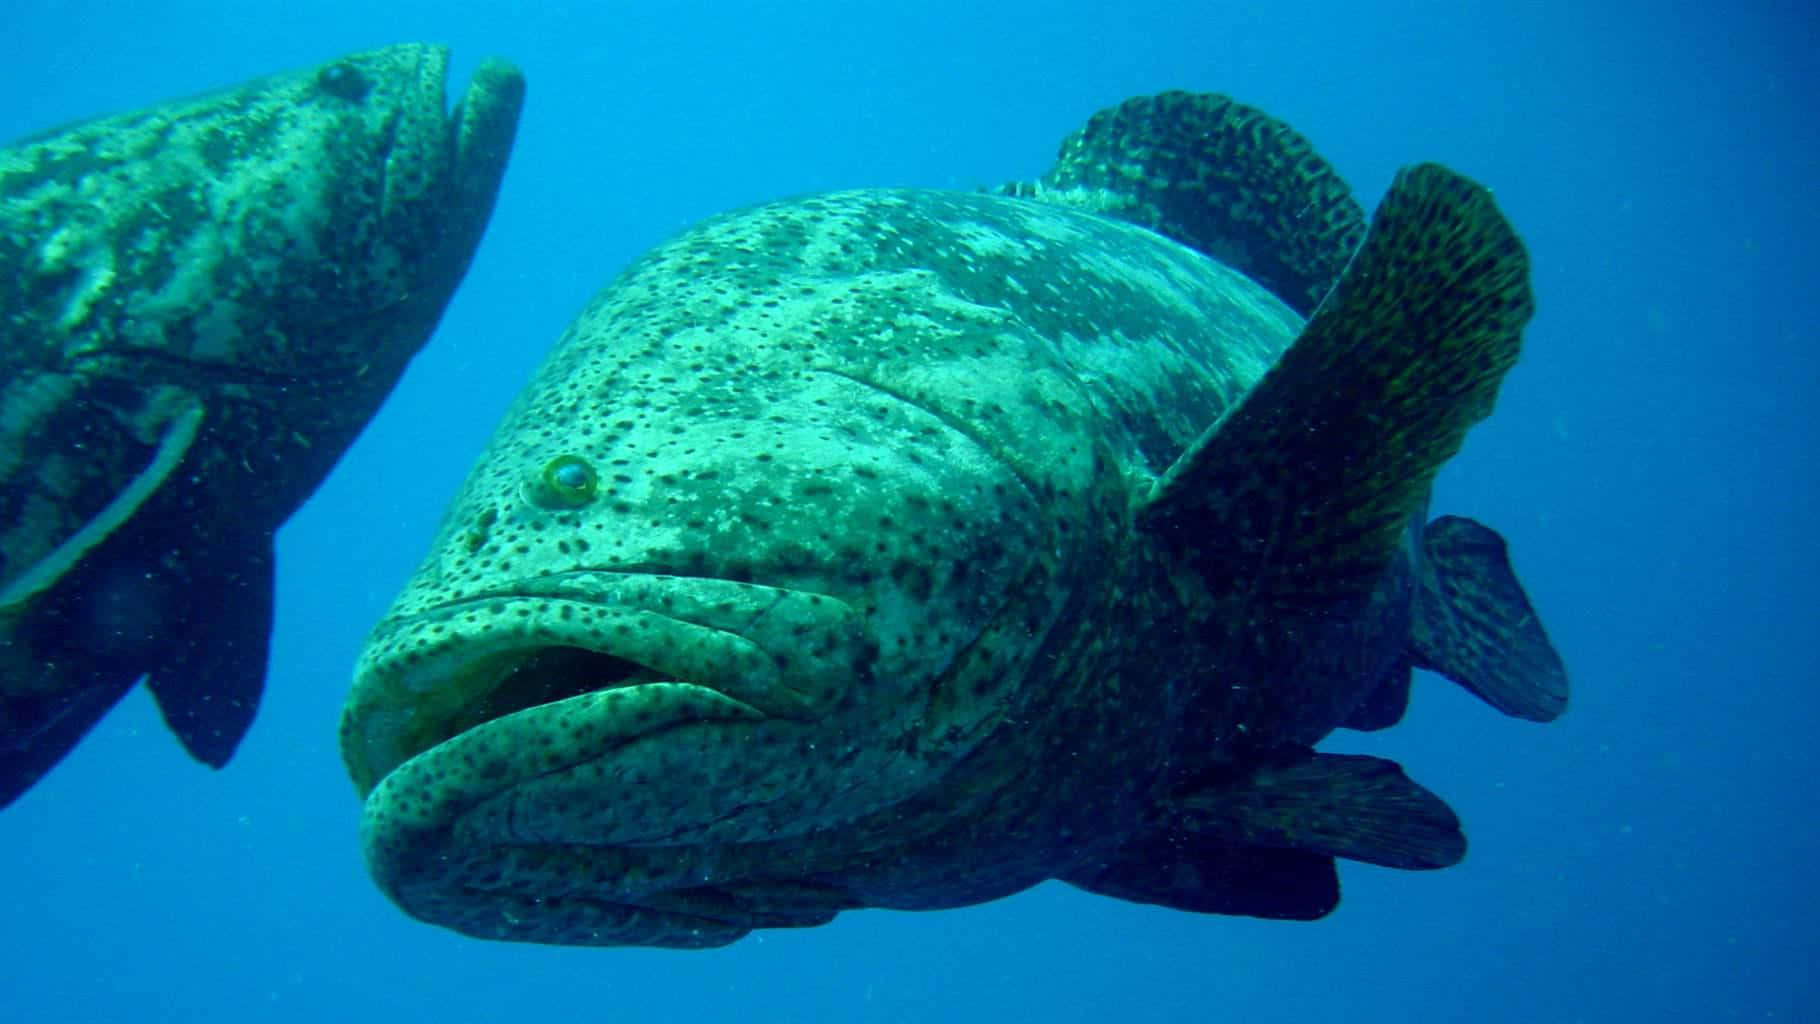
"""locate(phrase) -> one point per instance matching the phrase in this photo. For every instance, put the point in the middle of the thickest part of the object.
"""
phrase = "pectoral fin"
(1300, 495)
(178, 435)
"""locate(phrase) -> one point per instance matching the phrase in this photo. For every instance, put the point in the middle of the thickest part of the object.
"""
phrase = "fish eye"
(567, 481)
(341, 79)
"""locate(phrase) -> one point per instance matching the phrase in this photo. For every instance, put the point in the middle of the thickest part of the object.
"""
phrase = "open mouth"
(670, 648)
(498, 741)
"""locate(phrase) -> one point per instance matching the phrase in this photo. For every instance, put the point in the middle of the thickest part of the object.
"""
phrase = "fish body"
(206, 301)
(906, 548)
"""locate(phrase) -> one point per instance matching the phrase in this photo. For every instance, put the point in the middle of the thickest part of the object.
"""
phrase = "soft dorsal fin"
(1301, 494)
(1217, 176)
(1474, 625)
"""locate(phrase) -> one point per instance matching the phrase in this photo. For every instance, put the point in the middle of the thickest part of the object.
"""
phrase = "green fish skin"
(904, 548)
(206, 301)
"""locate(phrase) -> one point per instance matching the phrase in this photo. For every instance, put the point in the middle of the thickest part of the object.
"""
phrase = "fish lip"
(418, 149)
(768, 652)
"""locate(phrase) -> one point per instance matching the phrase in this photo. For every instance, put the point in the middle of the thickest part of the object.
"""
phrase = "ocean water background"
(1652, 461)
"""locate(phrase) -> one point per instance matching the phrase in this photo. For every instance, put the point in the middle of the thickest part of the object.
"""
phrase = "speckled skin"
(915, 425)
(206, 300)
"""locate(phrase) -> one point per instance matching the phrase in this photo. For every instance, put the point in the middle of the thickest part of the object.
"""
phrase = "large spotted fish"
(205, 301)
(903, 548)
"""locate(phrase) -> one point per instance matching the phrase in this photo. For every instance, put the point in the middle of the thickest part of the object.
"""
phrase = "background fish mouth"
(745, 651)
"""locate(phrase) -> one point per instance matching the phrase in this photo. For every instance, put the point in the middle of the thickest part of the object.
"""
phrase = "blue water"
(1652, 461)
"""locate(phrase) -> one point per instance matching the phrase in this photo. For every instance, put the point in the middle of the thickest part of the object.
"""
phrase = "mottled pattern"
(818, 569)
(930, 413)
(206, 300)
(1218, 175)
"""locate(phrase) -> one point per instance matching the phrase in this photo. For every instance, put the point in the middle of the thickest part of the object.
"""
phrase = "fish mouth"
(443, 164)
(497, 739)
(665, 648)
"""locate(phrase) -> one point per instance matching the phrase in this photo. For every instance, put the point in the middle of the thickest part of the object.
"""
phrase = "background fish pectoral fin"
(175, 440)
(37, 731)
(209, 682)
(1474, 624)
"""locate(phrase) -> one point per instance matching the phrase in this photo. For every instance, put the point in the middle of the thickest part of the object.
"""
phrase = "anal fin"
(208, 685)
(1204, 874)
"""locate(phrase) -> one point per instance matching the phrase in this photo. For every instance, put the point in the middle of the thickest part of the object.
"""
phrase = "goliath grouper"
(205, 302)
(902, 548)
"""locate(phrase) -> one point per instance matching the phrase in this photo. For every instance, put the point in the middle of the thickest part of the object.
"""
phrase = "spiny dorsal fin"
(1300, 495)
(1217, 176)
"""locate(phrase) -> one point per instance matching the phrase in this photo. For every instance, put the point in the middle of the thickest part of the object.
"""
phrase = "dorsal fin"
(1474, 624)
(1301, 494)
(1220, 177)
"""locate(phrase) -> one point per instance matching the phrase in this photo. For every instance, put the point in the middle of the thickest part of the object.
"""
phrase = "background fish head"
(271, 254)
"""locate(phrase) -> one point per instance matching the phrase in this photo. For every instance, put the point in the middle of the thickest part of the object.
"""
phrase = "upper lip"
(426, 676)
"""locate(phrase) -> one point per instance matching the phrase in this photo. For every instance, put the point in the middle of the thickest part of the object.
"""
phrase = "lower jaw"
(570, 823)
(551, 896)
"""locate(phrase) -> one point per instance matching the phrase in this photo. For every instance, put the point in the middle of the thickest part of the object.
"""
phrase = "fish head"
(267, 257)
(346, 201)
(710, 600)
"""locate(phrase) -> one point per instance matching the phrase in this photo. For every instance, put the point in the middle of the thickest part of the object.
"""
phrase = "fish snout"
(752, 651)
